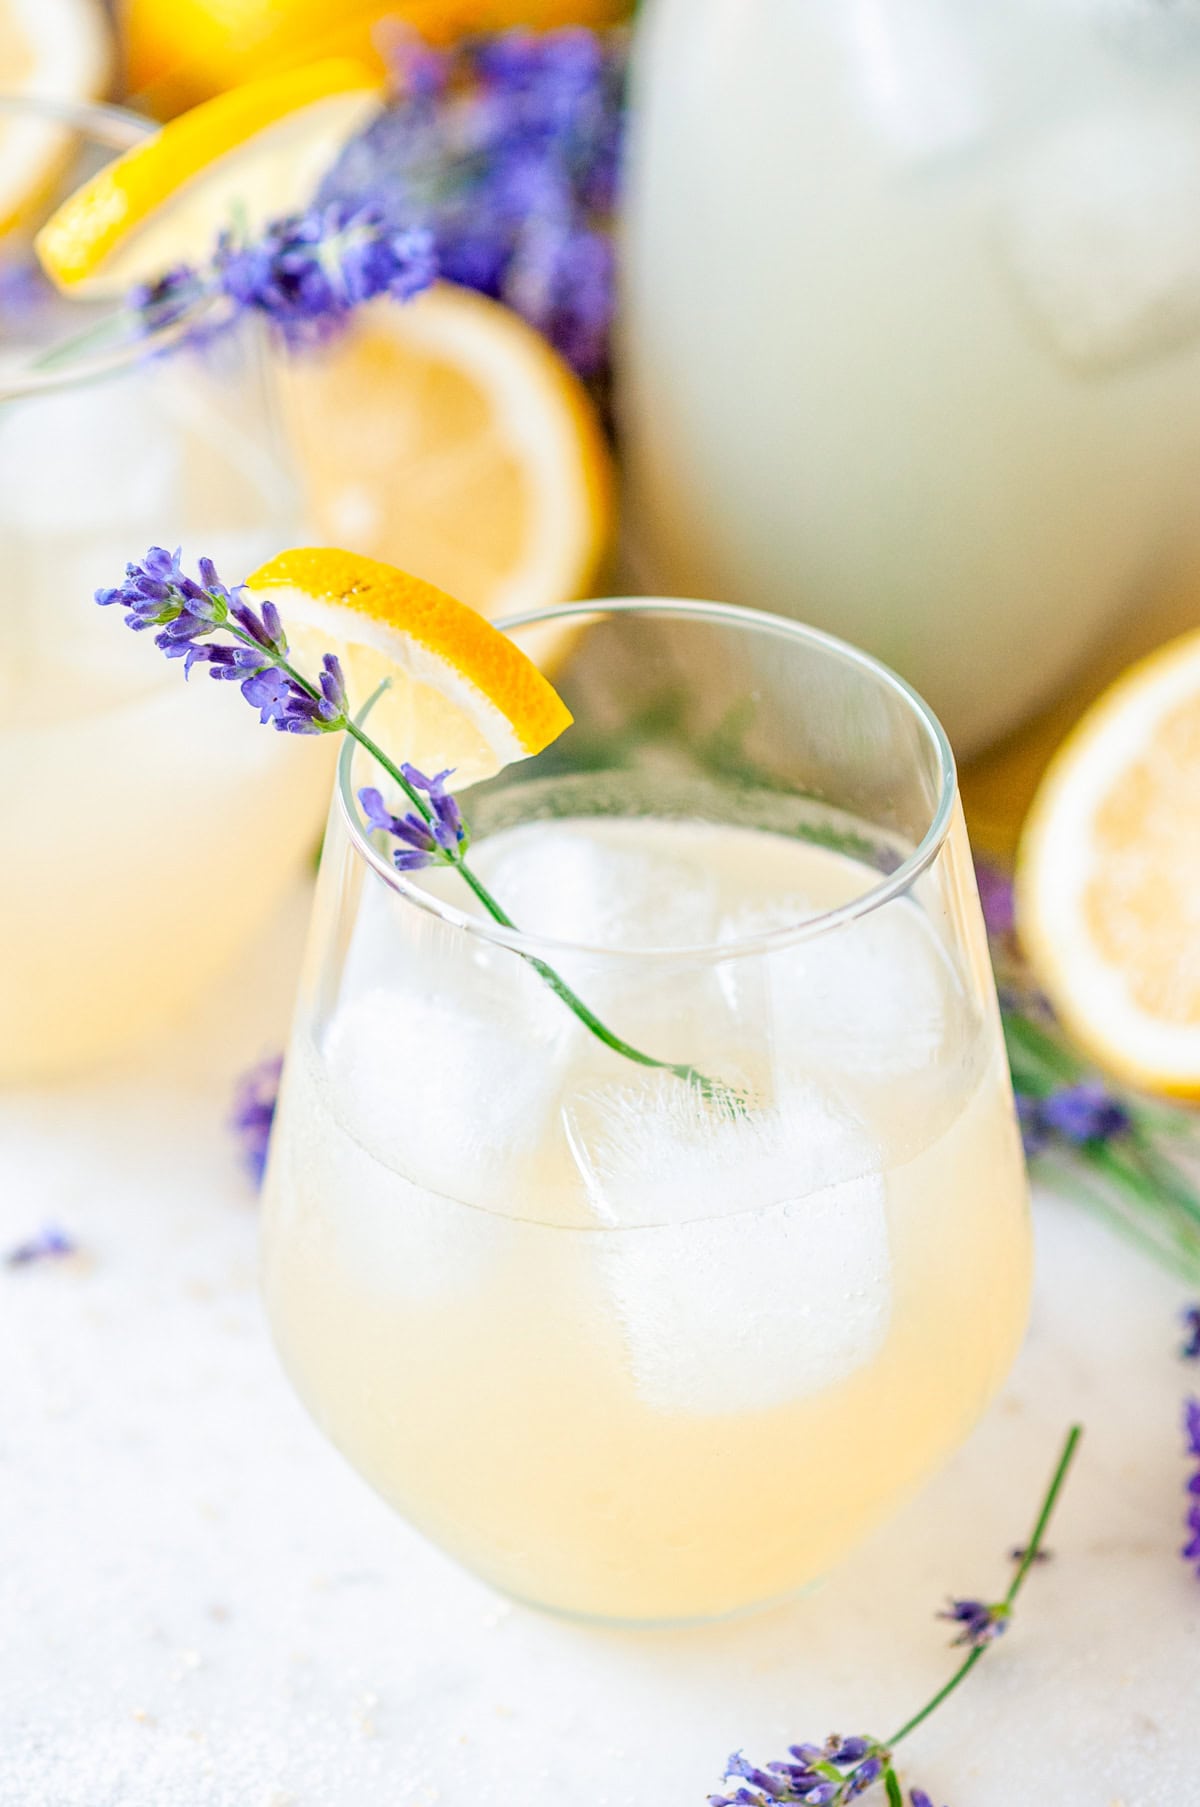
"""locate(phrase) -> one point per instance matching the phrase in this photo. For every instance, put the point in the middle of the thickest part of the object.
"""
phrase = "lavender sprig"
(843, 1769)
(1191, 1431)
(1110, 1138)
(190, 616)
(305, 273)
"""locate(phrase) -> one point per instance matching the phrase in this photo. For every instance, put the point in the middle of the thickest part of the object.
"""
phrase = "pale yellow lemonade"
(623, 1351)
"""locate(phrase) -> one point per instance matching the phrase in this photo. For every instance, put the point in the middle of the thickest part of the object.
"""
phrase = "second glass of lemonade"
(143, 848)
(630, 1346)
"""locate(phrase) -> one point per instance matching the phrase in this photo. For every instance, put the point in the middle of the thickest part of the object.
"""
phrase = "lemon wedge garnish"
(459, 693)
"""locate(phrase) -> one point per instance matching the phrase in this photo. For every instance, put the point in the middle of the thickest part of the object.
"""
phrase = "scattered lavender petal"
(979, 1623)
(49, 1244)
(255, 1098)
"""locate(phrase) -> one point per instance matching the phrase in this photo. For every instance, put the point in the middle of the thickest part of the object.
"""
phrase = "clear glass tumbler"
(142, 845)
(630, 1345)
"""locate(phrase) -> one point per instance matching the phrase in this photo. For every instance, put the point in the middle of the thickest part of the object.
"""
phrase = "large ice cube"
(747, 1255)
(457, 1091)
(920, 87)
(871, 998)
(1103, 236)
(593, 888)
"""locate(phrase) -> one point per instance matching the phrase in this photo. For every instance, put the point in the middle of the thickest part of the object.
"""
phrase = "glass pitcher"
(912, 324)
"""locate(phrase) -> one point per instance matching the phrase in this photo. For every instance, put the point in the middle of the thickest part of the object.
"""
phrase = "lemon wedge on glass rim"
(243, 159)
(1108, 875)
(460, 694)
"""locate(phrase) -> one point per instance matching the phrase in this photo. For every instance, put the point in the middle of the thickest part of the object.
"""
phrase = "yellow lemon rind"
(429, 634)
(76, 242)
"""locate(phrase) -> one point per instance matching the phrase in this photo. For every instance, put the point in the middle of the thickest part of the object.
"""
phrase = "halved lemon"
(56, 50)
(181, 51)
(242, 159)
(459, 693)
(447, 437)
(1108, 875)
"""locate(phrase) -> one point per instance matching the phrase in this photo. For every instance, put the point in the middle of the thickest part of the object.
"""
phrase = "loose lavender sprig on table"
(190, 617)
(1111, 1139)
(843, 1769)
(1191, 1431)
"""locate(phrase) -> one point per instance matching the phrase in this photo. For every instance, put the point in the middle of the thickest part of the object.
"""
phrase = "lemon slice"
(56, 50)
(447, 437)
(460, 694)
(1108, 875)
(245, 158)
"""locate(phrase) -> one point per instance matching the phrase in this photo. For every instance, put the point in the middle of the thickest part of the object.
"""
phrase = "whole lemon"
(179, 52)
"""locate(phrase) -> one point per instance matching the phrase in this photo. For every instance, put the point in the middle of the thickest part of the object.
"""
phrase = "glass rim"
(117, 129)
(891, 885)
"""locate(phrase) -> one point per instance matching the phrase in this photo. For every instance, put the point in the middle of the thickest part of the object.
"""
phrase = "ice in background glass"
(911, 334)
(143, 843)
(623, 1350)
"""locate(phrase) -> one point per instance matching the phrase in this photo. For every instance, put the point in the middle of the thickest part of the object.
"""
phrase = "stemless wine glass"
(632, 1345)
(141, 847)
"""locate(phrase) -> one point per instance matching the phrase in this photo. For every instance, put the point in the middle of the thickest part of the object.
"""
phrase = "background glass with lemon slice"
(448, 436)
(119, 805)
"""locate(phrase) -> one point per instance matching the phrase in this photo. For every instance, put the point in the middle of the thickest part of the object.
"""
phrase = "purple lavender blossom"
(1191, 1346)
(171, 297)
(255, 1099)
(1032, 1127)
(1191, 1428)
(157, 593)
(49, 1244)
(26, 295)
(424, 842)
(828, 1775)
(919, 1798)
(305, 273)
(508, 149)
(996, 897)
(309, 271)
(1081, 1115)
(979, 1624)
(1086, 1112)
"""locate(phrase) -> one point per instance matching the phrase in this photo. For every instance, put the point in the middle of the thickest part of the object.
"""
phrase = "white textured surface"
(200, 1606)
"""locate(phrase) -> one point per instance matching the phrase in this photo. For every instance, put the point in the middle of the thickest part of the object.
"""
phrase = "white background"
(201, 1606)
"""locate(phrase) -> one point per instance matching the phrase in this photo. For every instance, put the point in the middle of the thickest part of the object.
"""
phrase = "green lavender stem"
(1032, 1550)
(711, 1088)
